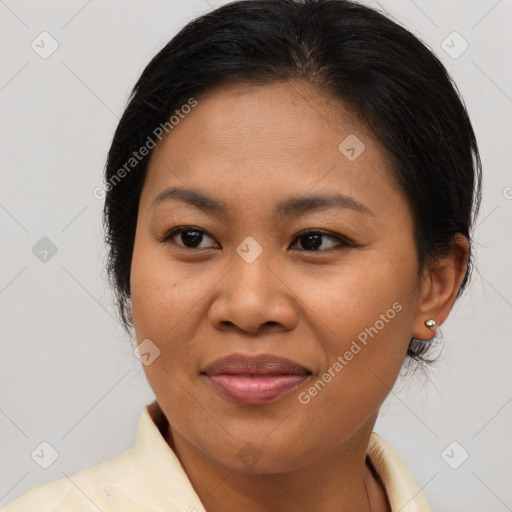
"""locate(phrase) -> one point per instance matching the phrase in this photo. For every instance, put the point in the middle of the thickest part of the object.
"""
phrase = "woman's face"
(243, 280)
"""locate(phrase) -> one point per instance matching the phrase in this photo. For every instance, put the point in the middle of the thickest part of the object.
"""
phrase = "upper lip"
(263, 364)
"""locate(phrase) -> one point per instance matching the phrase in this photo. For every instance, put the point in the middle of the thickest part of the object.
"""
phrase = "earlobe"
(439, 287)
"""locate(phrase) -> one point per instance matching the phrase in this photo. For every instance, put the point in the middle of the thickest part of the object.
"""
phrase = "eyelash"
(343, 243)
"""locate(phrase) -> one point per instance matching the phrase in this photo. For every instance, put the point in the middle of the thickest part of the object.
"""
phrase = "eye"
(190, 237)
(312, 241)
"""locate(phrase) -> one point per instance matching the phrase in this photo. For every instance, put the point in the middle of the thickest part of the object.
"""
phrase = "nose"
(253, 297)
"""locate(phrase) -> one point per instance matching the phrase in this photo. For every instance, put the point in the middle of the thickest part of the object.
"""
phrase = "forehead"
(279, 117)
(285, 138)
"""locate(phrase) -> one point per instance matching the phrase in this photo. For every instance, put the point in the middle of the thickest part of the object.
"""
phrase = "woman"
(289, 200)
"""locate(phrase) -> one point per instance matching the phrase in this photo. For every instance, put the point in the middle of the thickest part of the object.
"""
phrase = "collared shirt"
(150, 478)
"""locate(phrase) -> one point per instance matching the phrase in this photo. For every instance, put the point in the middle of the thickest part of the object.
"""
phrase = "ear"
(440, 283)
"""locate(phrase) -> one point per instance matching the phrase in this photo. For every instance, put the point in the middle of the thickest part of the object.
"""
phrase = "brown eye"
(187, 237)
(316, 240)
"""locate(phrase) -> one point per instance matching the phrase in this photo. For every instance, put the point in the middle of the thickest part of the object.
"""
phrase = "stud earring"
(430, 323)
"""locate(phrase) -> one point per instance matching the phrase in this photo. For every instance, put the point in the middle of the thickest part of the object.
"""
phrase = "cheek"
(351, 299)
(363, 320)
(163, 300)
(163, 292)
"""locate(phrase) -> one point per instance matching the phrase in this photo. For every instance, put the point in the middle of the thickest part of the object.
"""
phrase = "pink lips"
(254, 379)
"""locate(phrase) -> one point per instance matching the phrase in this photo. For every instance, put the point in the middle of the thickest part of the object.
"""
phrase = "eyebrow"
(289, 207)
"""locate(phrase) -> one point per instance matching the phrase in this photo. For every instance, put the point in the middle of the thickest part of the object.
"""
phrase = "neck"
(342, 481)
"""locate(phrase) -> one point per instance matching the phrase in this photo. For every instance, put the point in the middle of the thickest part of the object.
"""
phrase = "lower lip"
(255, 389)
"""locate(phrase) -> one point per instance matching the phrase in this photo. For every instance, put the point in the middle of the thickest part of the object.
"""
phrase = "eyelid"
(342, 240)
(171, 233)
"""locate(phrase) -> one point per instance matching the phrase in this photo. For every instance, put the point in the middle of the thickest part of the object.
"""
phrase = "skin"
(251, 147)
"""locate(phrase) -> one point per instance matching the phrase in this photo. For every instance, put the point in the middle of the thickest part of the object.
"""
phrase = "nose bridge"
(252, 268)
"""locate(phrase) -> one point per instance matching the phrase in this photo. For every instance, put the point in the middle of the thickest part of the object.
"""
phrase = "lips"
(255, 380)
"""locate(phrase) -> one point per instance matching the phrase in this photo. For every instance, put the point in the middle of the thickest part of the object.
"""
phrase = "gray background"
(68, 375)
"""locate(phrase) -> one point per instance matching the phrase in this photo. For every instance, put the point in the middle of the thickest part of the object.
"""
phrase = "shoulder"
(125, 482)
(102, 487)
(57, 495)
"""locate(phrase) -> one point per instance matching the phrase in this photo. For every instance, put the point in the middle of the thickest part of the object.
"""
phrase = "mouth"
(252, 380)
